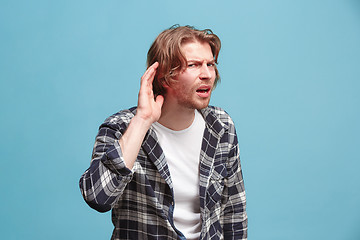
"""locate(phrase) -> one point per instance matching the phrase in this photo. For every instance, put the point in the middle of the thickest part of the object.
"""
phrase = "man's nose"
(205, 72)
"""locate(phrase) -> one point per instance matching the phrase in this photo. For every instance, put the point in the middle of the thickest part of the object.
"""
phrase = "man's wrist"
(142, 123)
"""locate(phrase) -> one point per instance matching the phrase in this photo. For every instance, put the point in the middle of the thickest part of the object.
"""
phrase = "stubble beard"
(190, 100)
(195, 104)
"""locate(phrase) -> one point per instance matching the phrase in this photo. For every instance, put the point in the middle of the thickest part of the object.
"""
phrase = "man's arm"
(115, 152)
(234, 215)
(148, 112)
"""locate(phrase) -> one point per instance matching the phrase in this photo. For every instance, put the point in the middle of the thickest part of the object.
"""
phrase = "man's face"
(193, 85)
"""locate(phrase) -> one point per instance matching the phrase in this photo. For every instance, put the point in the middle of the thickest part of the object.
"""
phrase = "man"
(170, 168)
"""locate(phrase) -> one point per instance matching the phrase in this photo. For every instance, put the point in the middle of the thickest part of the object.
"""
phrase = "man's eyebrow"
(197, 60)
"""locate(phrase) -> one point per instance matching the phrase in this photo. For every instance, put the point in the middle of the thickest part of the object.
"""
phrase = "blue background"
(290, 80)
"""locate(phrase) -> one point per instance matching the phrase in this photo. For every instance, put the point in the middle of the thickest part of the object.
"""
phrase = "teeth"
(202, 90)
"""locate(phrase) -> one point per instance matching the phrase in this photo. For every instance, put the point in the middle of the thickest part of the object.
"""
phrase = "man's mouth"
(203, 90)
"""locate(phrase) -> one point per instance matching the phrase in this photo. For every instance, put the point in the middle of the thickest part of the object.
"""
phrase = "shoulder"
(213, 113)
(120, 119)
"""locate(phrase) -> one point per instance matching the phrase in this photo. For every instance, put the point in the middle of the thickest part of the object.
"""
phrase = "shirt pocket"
(215, 189)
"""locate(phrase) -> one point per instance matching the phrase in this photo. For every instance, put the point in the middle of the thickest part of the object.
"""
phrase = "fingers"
(155, 65)
(147, 79)
(149, 74)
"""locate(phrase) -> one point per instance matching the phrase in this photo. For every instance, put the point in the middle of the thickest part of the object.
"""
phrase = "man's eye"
(210, 64)
(191, 65)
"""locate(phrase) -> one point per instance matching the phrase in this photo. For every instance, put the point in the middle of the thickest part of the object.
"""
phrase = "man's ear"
(166, 88)
(167, 84)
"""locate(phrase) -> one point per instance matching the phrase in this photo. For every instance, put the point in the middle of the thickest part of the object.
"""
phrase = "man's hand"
(149, 108)
(148, 111)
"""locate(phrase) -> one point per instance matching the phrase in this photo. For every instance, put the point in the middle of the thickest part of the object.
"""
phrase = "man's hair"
(166, 49)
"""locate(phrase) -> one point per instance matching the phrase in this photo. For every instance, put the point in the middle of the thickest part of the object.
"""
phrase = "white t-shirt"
(182, 153)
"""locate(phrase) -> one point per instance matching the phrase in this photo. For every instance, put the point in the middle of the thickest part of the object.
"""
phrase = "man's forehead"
(196, 50)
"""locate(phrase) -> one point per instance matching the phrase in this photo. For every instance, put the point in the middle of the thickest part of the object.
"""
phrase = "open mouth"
(203, 90)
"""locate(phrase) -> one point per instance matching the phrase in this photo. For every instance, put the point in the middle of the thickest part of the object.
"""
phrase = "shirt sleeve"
(106, 178)
(234, 209)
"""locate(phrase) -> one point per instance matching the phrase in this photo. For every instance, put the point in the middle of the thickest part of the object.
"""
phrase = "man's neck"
(175, 117)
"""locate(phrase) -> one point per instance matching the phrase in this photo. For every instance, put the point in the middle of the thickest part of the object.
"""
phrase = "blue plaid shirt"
(142, 200)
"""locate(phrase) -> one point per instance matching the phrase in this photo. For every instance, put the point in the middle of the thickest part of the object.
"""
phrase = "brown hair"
(166, 49)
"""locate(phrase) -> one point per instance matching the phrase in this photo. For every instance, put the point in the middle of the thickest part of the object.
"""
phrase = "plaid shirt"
(142, 199)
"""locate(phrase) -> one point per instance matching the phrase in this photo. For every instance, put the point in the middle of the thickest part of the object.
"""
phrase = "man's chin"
(202, 105)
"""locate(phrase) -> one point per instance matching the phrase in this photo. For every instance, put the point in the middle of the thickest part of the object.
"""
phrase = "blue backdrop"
(290, 79)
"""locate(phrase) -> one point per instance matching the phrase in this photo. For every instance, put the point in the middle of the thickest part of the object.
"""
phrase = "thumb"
(159, 100)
